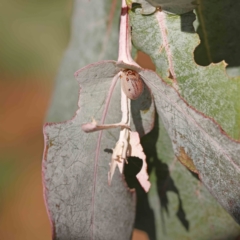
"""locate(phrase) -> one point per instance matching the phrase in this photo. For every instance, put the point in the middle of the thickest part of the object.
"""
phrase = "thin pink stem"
(114, 81)
(125, 46)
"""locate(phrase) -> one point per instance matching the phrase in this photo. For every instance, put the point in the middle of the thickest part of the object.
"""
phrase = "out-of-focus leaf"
(171, 6)
(34, 33)
(94, 36)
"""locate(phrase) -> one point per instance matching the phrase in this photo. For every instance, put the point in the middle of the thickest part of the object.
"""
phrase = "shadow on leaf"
(218, 30)
(145, 219)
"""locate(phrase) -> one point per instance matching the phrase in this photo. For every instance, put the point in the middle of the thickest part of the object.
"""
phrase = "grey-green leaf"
(68, 164)
(209, 90)
(171, 6)
(80, 202)
(178, 205)
(76, 164)
(199, 139)
(170, 41)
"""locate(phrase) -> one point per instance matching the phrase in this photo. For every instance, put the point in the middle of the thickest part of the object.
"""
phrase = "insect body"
(132, 84)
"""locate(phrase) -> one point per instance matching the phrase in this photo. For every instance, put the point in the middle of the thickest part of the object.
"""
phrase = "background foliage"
(34, 35)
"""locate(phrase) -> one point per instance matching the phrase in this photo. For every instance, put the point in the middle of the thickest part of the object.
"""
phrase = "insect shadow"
(145, 218)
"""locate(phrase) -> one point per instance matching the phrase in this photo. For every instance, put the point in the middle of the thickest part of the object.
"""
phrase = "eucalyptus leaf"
(178, 205)
(171, 6)
(198, 138)
(170, 41)
(219, 32)
(81, 203)
(67, 196)
(76, 164)
(94, 34)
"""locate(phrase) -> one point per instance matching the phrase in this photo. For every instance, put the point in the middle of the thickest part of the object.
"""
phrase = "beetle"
(132, 84)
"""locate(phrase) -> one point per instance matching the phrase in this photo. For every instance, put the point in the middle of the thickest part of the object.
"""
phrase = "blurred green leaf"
(30, 31)
(94, 37)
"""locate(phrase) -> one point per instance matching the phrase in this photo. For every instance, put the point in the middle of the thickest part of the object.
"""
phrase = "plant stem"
(125, 45)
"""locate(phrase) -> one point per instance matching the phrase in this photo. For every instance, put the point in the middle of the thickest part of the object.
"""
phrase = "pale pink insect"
(132, 84)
